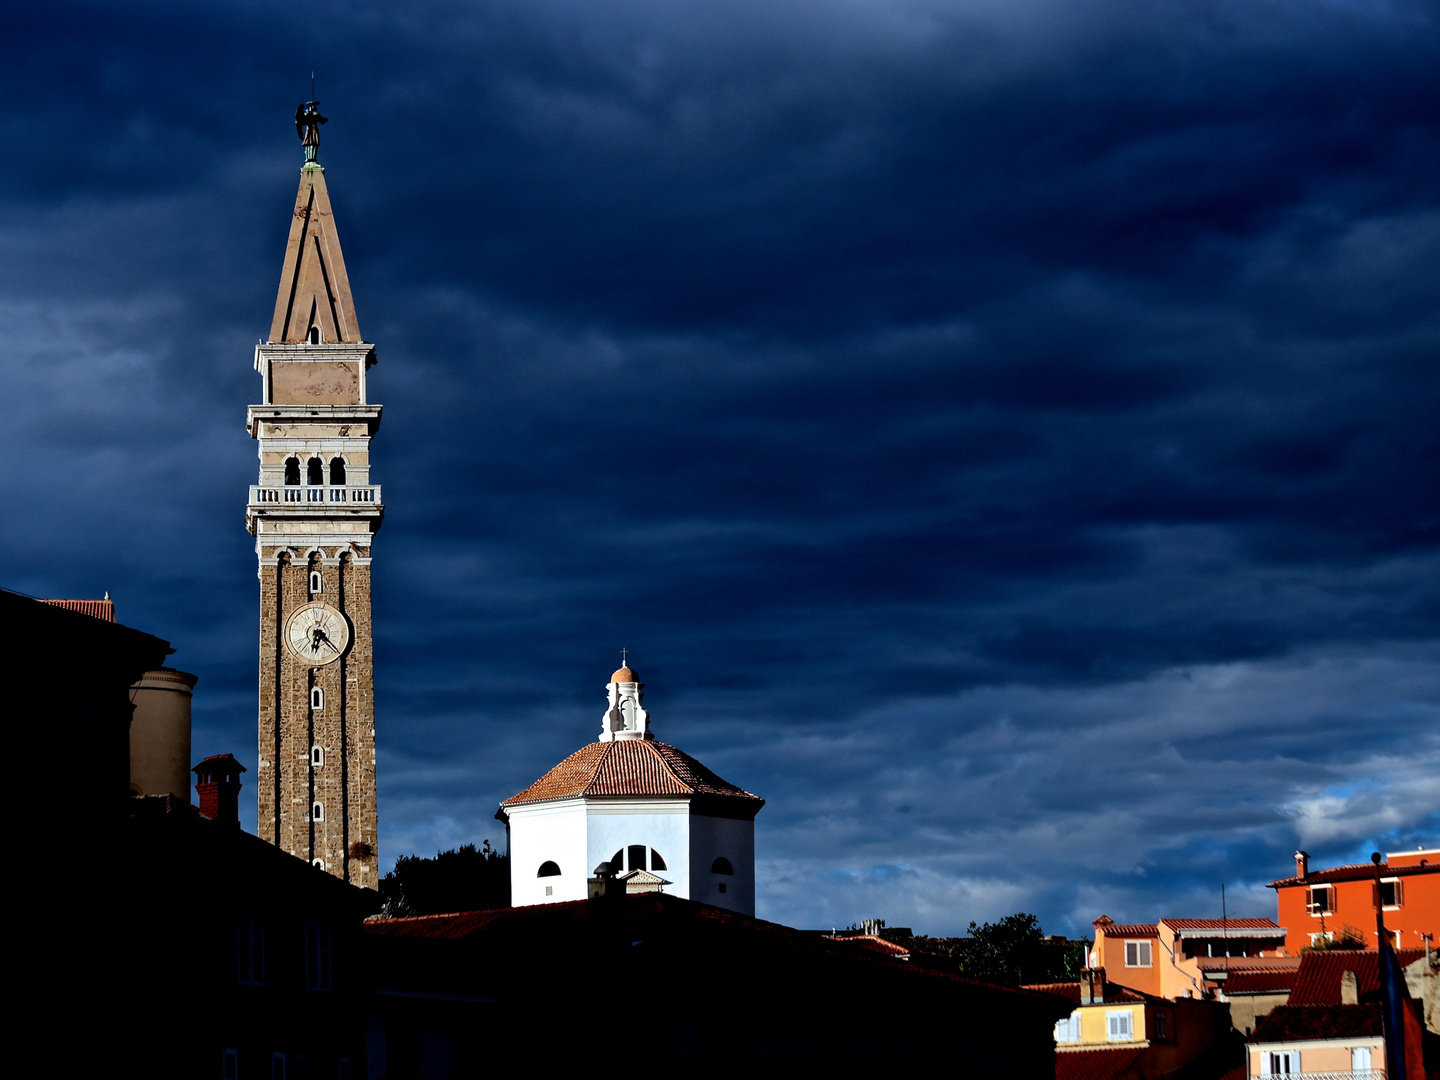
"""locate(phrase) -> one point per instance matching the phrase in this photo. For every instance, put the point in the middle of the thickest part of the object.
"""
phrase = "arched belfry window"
(292, 470)
(721, 866)
(337, 471)
(317, 698)
(548, 869)
(315, 471)
(634, 858)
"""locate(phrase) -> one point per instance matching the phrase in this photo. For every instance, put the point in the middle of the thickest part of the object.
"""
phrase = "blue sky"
(1004, 433)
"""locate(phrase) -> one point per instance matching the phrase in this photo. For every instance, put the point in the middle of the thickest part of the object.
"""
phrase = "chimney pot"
(218, 786)
(1302, 864)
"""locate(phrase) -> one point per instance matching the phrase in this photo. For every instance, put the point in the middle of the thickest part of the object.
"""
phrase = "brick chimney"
(1302, 864)
(218, 785)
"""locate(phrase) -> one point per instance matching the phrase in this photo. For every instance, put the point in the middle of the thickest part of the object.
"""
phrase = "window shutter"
(1399, 893)
(1264, 1064)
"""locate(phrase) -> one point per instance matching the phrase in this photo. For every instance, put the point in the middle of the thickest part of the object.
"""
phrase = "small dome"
(625, 675)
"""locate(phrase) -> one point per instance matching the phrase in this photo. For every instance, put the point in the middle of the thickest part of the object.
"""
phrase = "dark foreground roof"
(1289, 1023)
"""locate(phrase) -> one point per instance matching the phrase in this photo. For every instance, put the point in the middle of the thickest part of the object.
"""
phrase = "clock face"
(317, 634)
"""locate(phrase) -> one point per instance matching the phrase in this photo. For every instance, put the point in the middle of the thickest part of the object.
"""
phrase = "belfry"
(313, 514)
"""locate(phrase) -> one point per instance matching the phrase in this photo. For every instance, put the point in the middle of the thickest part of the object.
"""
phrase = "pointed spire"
(314, 288)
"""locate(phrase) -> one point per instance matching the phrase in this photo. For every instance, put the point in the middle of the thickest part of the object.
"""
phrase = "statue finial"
(307, 126)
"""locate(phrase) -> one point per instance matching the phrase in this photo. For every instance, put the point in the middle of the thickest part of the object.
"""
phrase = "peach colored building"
(1319, 904)
(1185, 958)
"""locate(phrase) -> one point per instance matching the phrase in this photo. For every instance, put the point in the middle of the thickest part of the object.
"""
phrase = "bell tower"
(313, 514)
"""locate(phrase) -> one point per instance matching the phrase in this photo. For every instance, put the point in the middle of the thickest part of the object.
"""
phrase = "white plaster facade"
(690, 832)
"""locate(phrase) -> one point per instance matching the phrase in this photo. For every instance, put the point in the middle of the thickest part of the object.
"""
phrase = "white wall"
(735, 840)
(579, 834)
(548, 831)
(662, 824)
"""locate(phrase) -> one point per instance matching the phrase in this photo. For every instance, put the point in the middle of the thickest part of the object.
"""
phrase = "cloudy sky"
(1003, 431)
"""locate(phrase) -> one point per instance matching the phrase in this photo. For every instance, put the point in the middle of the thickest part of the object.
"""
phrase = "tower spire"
(314, 304)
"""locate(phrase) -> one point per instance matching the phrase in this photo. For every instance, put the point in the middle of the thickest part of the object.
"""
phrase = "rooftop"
(1355, 872)
(1289, 1023)
(631, 767)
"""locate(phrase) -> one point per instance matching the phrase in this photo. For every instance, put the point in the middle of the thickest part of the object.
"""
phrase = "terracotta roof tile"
(1130, 929)
(629, 767)
(1260, 982)
(1071, 990)
(96, 609)
(874, 943)
(1318, 980)
(1097, 1064)
(1355, 872)
(1221, 924)
(1290, 1022)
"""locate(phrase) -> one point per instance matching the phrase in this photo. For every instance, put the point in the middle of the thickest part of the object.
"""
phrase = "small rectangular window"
(316, 581)
(1281, 1063)
(317, 812)
(229, 1065)
(1068, 1030)
(1392, 893)
(344, 1071)
(1162, 1025)
(250, 950)
(1137, 954)
(277, 1067)
(317, 756)
(317, 956)
(1320, 900)
(549, 890)
(1120, 1026)
(317, 699)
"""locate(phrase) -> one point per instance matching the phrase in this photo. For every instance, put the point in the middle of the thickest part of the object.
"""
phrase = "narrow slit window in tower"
(316, 581)
(317, 698)
(317, 753)
(317, 812)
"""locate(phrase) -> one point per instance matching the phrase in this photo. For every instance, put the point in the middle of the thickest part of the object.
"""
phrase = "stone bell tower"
(313, 515)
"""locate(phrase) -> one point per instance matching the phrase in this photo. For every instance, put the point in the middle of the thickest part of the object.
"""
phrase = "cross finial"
(623, 653)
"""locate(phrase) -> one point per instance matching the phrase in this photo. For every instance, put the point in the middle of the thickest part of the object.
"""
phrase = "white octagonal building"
(630, 800)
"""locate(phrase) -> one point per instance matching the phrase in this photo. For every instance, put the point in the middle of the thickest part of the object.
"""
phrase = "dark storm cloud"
(1006, 433)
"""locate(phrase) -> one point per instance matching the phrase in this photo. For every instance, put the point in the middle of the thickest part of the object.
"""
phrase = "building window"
(636, 855)
(315, 471)
(548, 869)
(337, 472)
(1068, 1030)
(345, 1071)
(721, 866)
(312, 336)
(1280, 1063)
(317, 753)
(317, 582)
(1120, 1026)
(722, 886)
(229, 1065)
(1137, 954)
(319, 864)
(1320, 900)
(317, 700)
(1322, 937)
(1162, 1025)
(277, 1067)
(250, 950)
(1392, 893)
(549, 890)
(1360, 1059)
(317, 811)
(317, 956)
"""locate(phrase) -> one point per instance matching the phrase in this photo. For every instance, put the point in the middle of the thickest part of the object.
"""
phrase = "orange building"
(1185, 958)
(1325, 905)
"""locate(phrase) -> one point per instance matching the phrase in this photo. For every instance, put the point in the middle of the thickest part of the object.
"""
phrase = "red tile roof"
(873, 943)
(1289, 1023)
(1318, 980)
(1071, 990)
(1223, 924)
(1097, 1064)
(96, 609)
(1355, 872)
(630, 767)
(1262, 981)
(1128, 929)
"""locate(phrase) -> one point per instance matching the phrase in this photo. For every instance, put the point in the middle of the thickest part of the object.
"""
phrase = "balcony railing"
(297, 495)
(1356, 1074)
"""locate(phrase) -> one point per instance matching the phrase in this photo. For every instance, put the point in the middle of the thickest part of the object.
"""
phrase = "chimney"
(1349, 989)
(218, 785)
(1302, 864)
(1092, 986)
